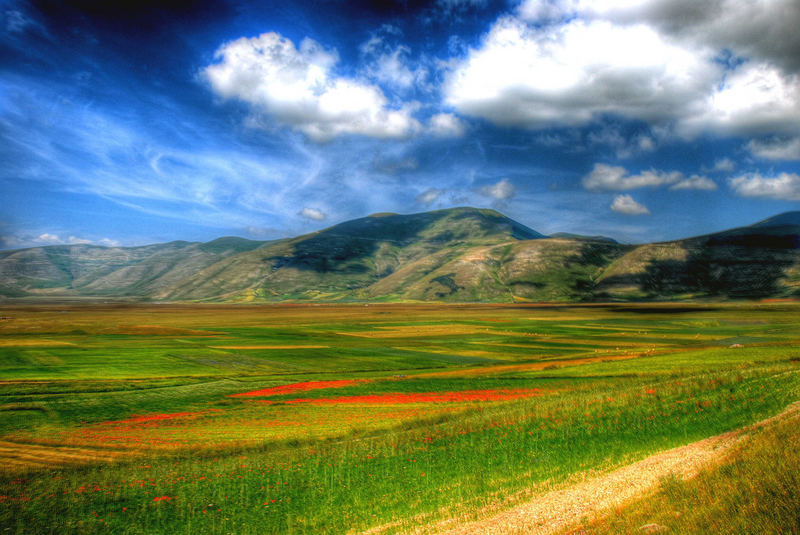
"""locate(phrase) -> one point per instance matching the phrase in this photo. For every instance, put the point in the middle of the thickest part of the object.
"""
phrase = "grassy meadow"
(385, 418)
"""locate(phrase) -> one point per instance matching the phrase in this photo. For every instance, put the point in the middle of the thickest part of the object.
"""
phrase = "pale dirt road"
(563, 508)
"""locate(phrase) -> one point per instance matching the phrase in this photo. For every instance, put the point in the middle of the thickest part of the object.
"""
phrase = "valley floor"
(397, 418)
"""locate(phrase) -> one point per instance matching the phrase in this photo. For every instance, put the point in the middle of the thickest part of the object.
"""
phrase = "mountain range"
(454, 255)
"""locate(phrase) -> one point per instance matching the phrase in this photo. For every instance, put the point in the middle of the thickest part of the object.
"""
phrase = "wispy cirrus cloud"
(696, 182)
(429, 196)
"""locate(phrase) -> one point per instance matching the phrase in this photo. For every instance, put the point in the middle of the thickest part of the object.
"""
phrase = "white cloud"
(502, 191)
(625, 204)
(725, 165)
(784, 187)
(697, 182)
(624, 146)
(429, 196)
(446, 125)
(533, 76)
(297, 87)
(49, 239)
(616, 178)
(392, 68)
(607, 177)
(763, 29)
(776, 148)
(755, 98)
(647, 144)
(313, 214)
(727, 66)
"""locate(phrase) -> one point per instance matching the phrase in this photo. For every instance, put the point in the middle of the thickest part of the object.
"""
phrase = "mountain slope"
(760, 260)
(112, 271)
(343, 261)
(461, 254)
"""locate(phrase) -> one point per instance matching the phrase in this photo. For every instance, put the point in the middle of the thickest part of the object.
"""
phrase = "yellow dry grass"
(449, 351)
(411, 331)
(20, 456)
(271, 347)
(28, 342)
(528, 366)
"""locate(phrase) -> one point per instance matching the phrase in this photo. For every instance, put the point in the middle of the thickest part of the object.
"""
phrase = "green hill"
(460, 254)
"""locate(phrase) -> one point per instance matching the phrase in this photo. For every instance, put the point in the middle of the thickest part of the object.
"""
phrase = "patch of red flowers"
(425, 397)
(162, 498)
(296, 387)
(140, 418)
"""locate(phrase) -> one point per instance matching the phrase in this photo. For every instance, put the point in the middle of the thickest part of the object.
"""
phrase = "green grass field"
(126, 419)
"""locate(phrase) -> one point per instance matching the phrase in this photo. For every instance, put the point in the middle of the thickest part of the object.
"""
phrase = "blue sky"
(643, 120)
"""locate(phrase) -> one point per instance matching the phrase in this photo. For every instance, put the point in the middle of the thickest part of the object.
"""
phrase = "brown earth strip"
(528, 366)
(20, 456)
(563, 508)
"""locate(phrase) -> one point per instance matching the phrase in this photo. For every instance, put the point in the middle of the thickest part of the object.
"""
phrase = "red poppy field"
(347, 419)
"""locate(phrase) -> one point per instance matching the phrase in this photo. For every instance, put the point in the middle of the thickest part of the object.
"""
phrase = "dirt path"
(563, 508)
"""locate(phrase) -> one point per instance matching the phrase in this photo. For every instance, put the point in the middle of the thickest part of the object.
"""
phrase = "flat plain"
(387, 418)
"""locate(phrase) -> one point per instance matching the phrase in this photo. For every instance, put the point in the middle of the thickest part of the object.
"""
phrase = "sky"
(127, 123)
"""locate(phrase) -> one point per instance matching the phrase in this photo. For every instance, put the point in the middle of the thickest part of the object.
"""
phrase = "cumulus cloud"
(754, 98)
(501, 191)
(534, 76)
(727, 66)
(624, 146)
(764, 30)
(724, 165)
(49, 238)
(625, 204)
(446, 125)
(608, 177)
(313, 214)
(297, 86)
(776, 148)
(784, 187)
(616, 178)
(429, 196)
(697, 182)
